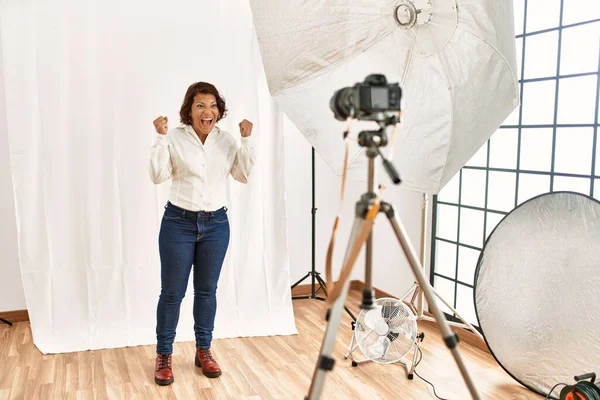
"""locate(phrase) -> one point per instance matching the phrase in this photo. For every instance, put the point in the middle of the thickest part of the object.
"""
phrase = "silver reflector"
(537, 293)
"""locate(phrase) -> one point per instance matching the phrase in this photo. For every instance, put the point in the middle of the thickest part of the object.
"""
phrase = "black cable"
(425, 380)
(554, 387)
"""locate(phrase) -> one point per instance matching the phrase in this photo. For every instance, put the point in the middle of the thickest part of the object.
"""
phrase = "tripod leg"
(322, 283)
(300, 281)
(464, 321)
(325, 362)
(333, 317)
(413, 292)
(410, 292)
(449, 337)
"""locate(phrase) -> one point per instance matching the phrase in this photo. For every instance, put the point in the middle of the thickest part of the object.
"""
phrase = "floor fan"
(386, 334)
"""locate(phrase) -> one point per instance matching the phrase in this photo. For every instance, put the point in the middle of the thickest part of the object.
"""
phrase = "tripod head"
(373, 140)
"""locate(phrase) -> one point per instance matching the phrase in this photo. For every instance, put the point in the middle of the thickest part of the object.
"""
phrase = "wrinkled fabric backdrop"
(82, 82)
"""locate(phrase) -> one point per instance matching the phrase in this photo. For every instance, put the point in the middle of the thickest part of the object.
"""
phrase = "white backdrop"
(11, 286)
(83, 82)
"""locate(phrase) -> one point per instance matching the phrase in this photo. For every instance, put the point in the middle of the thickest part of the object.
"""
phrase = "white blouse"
(200, 172)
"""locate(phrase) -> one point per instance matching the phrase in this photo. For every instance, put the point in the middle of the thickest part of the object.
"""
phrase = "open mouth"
(206, 121)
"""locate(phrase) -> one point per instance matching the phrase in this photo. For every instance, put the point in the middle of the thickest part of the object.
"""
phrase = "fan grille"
(387, 332)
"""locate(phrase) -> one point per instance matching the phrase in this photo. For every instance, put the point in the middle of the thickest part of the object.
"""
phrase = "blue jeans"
(199, 238)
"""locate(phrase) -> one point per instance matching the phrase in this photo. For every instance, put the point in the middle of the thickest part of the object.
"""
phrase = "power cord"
(554, 387)
(425, 380)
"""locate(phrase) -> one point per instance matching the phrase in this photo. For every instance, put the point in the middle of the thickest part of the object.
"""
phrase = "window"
(550, 143)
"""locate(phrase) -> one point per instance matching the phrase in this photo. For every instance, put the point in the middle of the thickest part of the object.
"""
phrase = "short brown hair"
(193, 90)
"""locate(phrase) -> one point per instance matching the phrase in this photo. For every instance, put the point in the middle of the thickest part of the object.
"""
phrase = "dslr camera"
(369, 100)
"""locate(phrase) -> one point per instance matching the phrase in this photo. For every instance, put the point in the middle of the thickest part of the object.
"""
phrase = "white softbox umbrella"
(455, 61)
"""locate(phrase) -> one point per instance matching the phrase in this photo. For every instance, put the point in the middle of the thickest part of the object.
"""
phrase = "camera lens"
(342, 103)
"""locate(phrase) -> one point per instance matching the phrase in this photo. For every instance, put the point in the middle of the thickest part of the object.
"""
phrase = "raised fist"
(245, 128)
(160, 124)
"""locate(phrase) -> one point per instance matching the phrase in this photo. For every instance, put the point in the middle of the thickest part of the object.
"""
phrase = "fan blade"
(368, 340)
(379, 349)
(373, 317)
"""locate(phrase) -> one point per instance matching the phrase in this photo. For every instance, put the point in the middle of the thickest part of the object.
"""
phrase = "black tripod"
(6, 321)
(367, 208)
(315, 276)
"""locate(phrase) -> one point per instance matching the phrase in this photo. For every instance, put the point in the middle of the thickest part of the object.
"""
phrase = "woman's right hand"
(160, 124)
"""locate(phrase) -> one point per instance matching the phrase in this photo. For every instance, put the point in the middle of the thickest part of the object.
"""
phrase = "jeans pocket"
(220, 216)
(171, 214)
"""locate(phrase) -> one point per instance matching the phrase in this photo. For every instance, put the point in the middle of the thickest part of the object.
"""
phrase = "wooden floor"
(253, 368)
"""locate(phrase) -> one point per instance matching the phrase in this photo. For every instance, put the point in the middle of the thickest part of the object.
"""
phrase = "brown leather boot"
(208, 364)
(164, 373)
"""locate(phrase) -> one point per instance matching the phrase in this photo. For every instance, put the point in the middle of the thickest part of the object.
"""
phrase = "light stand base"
(315, 276)
(415, 292)
(313, 294)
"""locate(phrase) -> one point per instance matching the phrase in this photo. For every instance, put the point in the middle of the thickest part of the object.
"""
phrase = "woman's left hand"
(245, 128)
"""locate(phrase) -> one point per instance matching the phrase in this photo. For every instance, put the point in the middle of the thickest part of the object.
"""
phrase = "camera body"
(369, 100)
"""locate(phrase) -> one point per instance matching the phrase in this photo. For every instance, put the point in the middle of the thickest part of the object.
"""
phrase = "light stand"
(315, 276)
(414, 297)
(367, 209)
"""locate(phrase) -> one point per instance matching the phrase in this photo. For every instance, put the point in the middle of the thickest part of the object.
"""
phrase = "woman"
(198, 157)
